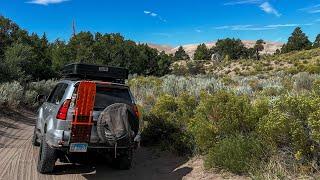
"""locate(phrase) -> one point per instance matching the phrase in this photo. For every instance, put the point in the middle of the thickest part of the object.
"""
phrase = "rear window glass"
(106, 96)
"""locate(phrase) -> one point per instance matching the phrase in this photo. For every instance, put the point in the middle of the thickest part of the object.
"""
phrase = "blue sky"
(171, 22)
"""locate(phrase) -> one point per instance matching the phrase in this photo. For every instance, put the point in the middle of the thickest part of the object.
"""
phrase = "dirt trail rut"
(18, 159)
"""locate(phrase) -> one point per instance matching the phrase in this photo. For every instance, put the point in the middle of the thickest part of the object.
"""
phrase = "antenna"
(73, 28)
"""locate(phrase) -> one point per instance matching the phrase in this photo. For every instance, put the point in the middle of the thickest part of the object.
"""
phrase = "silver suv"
(53, 130)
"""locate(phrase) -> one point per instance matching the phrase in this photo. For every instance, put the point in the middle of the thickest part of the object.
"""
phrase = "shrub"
(195, 67)
(11, 94)
(169, 135)
(231, 113)
(167, 123)
(237, 154)
(165, 108)
(316, 87)
(220, 115)
(291, 125)
(275, 129)
(303, 81)
(30, 98)
(43, 87)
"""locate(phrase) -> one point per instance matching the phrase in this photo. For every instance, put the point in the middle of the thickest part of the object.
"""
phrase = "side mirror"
(41, 98)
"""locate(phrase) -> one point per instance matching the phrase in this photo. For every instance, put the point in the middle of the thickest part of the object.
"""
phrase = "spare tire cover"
(113, 123)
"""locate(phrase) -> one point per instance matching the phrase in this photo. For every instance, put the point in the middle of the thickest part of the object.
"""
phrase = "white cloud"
(153, 14)
(242, 2)
(243, 28)
(198, 30)
(222, 27)
(46, 2)
(250, 27)
(287, 25)
(268, 8)
(312, 9)
(282, 25)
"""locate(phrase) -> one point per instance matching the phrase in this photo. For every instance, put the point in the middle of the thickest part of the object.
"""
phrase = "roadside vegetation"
(242, 111)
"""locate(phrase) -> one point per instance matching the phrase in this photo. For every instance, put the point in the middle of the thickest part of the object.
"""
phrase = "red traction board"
(82, 120)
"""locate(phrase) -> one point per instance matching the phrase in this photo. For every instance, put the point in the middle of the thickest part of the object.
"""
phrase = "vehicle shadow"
(147, 164)
(22, 116)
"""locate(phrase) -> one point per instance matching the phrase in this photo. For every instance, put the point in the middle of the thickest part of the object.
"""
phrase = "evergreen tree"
(259, 46)
(202, 53)
(316, 43)
(181, 54)
(297, 41)
(233, 48)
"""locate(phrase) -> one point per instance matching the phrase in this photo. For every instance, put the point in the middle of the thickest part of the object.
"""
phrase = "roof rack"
(81, 71)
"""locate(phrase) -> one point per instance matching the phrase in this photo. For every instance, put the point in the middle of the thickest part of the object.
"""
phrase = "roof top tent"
(83, 71)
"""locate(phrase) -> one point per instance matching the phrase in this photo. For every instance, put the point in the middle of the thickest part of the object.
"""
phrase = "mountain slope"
(270, 47)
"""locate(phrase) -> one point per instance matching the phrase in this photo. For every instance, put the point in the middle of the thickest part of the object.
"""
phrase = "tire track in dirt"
(18, 161)
(18, 158)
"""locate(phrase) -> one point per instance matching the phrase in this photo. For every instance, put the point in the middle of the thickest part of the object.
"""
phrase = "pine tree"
(297, 41)
(316, 43)
(202, 53)
(181, 54)
(259, 46)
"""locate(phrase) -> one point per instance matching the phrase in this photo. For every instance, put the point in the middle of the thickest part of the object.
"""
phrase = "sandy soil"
(18, 159)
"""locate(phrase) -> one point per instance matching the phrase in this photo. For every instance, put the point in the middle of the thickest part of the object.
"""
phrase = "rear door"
(107, 95)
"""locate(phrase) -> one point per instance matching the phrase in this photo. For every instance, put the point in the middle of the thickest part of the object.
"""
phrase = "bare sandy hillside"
(269, 47)
(18, 159)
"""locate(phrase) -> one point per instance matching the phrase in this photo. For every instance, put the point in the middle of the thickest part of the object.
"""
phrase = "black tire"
(35, 139)
(123, 161)
(47, 158)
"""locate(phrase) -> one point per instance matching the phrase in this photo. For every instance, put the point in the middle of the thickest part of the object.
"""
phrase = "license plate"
(78, 147)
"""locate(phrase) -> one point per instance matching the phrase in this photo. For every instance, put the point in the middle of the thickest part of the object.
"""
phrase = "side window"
(57, 94)
(53, 92)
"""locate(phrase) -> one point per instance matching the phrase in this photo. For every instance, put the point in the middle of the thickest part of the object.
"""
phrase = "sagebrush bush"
(11, 94)
(43, 87)
(303, 81)
(238, 154)
(14, 94)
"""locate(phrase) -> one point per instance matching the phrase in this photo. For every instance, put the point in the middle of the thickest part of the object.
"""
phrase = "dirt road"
(18, 158)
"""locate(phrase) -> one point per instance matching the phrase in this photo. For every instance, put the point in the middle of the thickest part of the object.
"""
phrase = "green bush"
(224, 114)
(292, 124)
(228, 112)
(167, 123)
(316, 87)
(238, 154)
(165, 108)
(169, 135)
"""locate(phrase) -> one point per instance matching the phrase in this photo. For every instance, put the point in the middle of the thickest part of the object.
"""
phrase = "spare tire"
(114, 123)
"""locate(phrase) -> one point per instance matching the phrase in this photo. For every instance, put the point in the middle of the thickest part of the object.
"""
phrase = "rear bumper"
(60, 139)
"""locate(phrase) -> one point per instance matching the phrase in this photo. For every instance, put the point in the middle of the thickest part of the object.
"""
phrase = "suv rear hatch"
(106, 95)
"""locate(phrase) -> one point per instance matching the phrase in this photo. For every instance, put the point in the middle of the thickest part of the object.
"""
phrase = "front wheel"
(47, 157)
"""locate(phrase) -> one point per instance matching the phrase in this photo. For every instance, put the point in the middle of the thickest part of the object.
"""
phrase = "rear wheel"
(35, 139)
(123, 161)
(47, 157)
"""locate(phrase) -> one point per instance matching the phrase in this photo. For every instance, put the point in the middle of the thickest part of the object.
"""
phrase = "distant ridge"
(269, 47)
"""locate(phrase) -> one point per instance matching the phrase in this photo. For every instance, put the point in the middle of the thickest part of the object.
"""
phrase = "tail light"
(63, 110)
(136, 111)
